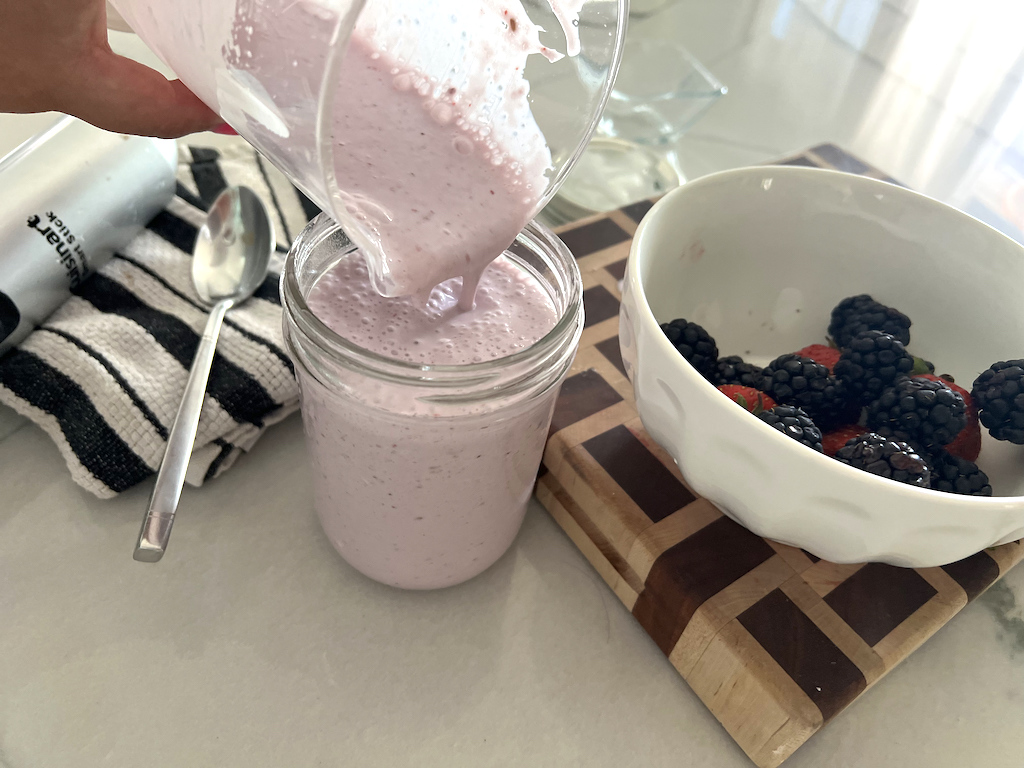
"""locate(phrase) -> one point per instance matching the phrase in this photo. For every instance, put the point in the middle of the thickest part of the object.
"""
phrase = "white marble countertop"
(253, 644)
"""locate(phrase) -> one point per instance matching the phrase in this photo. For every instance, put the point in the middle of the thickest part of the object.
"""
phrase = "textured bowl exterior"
(778, 233)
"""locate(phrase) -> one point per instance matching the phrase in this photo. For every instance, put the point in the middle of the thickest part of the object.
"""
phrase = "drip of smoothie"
(437, 153)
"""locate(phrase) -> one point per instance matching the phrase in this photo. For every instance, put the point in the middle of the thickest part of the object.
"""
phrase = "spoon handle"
(156, 527)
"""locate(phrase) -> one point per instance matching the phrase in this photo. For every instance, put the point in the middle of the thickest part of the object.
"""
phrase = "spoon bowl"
(234, 247)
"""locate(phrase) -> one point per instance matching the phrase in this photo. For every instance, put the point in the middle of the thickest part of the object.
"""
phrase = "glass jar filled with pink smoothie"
(426, 422)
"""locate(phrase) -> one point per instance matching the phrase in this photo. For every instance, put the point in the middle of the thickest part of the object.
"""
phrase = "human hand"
(56, 57)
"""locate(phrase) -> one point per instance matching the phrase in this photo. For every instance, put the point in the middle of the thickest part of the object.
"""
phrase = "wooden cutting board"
(773, 640)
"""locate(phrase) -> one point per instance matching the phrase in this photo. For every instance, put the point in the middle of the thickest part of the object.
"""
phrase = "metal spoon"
(231, 259)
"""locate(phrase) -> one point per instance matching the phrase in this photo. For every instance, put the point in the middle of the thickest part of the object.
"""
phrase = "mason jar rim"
(535, 235)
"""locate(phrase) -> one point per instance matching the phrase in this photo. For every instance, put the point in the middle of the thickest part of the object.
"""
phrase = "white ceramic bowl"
(759, 256)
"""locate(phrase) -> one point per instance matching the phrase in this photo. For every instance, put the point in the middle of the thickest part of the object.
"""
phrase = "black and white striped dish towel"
(105, 374)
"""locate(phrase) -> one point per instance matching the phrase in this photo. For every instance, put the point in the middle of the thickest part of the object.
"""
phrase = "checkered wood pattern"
(773, 640)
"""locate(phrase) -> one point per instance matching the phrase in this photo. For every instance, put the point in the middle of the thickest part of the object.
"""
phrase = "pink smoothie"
(512, 312)
(440, 163)
(427, 148)
(437, 155)
(412, 494)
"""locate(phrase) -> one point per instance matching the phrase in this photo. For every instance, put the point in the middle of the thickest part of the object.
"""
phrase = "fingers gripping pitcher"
(428, 355)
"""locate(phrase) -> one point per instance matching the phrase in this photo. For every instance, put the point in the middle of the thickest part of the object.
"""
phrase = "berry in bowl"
(834, 361)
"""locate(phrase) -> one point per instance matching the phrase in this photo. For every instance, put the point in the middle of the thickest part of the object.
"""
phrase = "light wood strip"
(600, 259)
(1007, 556)
(824, 576)
(925, 621)
(796, 558)
(764, 711)
(653, 541)
(592, 426)
(623, 221)
(558, 503)
(837, 630)
(723, 608)
(603, 277)
(606, 329)
(591, 358)
(615, 515)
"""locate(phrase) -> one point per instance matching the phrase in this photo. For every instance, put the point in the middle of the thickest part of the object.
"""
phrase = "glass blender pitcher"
(289, 76)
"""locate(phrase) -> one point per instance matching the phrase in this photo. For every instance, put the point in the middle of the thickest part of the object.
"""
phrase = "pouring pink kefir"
(428, 361)
(441, 164)
(298, 78)
(411, 491)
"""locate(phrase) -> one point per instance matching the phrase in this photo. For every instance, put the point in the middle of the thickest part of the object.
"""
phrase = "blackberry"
(872, 361)
(694, 344)
(950, 474)
(902, 437)
(953, 474)
(999, 395)
(795, 380)
(856, 314)
(886, 457)
(732, 370)
(793, 422)
(928, 411)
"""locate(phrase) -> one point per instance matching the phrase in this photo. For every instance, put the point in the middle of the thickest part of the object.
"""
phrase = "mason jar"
(422, 473)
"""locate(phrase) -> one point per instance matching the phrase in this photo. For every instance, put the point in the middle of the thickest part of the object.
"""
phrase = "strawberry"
(967, 444)
(838, 437)
(750, 398)
(819, 353)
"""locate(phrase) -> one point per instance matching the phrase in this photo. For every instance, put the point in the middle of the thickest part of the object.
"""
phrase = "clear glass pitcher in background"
(288, 76)
(660, 92)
